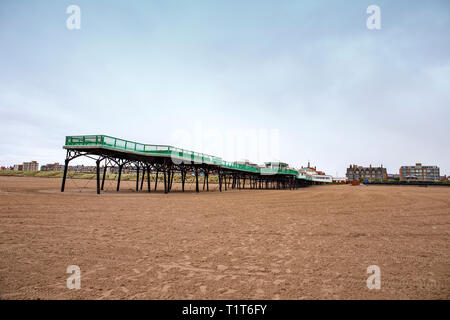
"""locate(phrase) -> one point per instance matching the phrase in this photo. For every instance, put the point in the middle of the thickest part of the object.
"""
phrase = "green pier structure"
(168, 161)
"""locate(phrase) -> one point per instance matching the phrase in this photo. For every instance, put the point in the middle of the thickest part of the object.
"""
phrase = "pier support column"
(183, 178)
(204, 180)
(169, 173)
(143, 177)
(66, 166)
(137, 178)
(172, 173)
(148, 178)
(104, 176)
(165, 181)
(196, 180)
(98, 176)
(118, 177)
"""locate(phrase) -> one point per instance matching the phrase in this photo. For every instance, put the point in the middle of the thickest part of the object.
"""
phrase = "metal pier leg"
(168, 180)
(118, 177)
(98, 176)
(165, 181)
(204, 180)
(66, 166)
(156, 179)
(207, 181)
(183, 178)
(196, 180)
(137, 179)
(104, 176)
(143, 177)
(220, 181)
(148, 178)
(171, 179)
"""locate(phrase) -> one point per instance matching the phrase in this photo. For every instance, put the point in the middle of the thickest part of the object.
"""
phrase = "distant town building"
(370, 173)
(314, 175)
(112, 169)
(419, 173)
(31, 166)
(27, 166)
(393, 176)
(82, 169)
(321, 178)
(115, 169)
(339, 179)
(18, 167)
(52, 167)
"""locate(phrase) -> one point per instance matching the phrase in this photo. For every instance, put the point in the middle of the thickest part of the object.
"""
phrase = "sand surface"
(311, 243)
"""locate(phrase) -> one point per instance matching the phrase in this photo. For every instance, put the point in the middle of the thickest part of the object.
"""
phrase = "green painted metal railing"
(241, 167)
(109, 142)
(148, 149)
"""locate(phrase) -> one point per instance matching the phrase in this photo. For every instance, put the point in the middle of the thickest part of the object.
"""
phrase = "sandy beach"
(310, 243)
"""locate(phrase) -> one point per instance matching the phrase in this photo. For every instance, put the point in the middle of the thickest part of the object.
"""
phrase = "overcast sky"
(307, 77)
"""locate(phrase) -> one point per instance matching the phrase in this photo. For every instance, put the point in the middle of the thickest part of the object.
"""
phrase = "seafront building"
(52, 167)
(355, 172)
(341, 180)
(314, 175)
(31, 166)
(419, 173)
(393, 176)
(27, 166)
